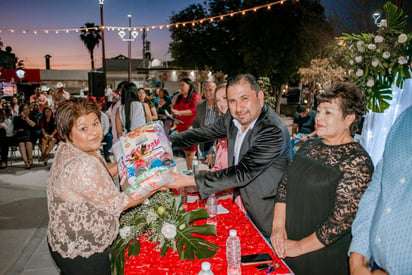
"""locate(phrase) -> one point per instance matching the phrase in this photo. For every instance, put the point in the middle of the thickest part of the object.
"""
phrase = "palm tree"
(91, 37)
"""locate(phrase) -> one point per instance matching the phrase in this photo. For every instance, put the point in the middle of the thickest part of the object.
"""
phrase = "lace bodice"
(355, 167)
(84, 204)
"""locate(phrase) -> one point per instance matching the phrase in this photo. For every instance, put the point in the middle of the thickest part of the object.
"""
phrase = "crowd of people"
(27, 124)
(323, 208)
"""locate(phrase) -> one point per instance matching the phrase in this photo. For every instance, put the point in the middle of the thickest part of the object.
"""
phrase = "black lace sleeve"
(281, 194)
(357, 169)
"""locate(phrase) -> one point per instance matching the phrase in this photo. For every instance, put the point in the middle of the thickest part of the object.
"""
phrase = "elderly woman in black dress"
(319, 194)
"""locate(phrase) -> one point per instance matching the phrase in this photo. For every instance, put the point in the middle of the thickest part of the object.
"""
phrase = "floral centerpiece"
(162, 220)
(379, 61)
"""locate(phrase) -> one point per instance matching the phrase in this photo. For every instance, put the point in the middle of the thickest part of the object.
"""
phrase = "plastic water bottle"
(195, 166)
(206, 269)
(211, 207)
(233, 254)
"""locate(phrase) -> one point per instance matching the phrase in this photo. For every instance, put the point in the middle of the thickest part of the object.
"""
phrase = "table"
(150, 262)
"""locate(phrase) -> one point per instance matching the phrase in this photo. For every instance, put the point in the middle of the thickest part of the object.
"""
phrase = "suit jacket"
(200, 117)
(263, 159)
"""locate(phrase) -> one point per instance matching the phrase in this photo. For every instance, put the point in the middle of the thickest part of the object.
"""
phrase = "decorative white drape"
(377, 125)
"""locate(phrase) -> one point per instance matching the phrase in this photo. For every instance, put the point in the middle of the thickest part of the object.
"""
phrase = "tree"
(90, 36)
(321, 73)
(213, 44)
(189, 44)
(271, 43)
(276, 43)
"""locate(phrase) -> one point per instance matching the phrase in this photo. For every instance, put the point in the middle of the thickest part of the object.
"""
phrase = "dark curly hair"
(351, 101)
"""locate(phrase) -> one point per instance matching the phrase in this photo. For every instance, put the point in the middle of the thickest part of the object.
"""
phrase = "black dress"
(322, 189)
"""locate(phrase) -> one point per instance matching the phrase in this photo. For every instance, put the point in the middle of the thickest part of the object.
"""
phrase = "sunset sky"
(66, 49)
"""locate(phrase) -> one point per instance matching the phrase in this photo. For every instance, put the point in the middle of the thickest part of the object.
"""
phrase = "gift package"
(145, 160)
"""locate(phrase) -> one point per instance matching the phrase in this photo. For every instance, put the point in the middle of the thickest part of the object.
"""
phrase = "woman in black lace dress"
(318, 197)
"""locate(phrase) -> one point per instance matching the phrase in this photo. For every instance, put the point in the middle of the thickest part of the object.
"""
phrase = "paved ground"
(24, 217)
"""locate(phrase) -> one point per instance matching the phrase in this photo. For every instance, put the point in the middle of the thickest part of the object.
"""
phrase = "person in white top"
(107, 135)
(108, 93)
(6, 133)
(131, 114)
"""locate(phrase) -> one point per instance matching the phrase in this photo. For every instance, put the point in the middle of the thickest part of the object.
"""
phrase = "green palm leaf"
(395, 16)
(191, 247)
(379, 97)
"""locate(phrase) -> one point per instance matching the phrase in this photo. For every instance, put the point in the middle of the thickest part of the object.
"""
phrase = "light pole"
(132, 38)
(129, 50)
(101, 2)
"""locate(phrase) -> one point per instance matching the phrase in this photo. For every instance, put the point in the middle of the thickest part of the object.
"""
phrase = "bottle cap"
(156, 163)
(205, 266)
(232, 233)
(140, 163)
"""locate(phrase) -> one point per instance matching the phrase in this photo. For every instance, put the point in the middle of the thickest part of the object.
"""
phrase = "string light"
(160, 27)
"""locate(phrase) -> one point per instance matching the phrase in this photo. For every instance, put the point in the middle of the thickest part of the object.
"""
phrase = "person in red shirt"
(184, 110)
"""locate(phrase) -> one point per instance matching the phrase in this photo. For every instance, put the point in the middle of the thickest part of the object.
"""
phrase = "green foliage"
(163, 220)
(376, 62)
(271, 42)
(264, 83)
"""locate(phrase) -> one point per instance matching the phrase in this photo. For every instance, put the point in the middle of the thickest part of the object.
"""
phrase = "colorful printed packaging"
(144, 158)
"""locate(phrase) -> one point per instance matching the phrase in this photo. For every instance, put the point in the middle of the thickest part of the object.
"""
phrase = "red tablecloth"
(149, 260)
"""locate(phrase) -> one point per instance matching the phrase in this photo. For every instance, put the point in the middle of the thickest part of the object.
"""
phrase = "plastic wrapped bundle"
(144, 158)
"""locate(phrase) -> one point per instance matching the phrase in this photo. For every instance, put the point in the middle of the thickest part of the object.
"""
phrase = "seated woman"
(22, 129)
(145, 99)
(319, 194)
(48, 133)
(131, 114)
(84, 203)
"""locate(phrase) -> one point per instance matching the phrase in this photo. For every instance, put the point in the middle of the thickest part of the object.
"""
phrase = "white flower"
(402, 38)
(386, 55)
(370, 82)
(383, 23)
(168, 230)
(358, 59)
(375, 62)
(124, 232)
(350, 71)
(359, 72)
(371, 46)
(402, 60)
(351, 62)
(360, 47)
(378, 39)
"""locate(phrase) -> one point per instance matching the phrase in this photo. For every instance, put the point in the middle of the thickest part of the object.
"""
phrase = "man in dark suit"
(206, 115)
(258, 150)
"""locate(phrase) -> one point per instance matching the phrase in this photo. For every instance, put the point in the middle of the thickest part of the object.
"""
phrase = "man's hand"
(358, 264)
(209, 160)
(181, 180)
(304, 138)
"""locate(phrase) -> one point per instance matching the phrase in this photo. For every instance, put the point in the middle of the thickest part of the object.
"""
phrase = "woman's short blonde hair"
(69, 111)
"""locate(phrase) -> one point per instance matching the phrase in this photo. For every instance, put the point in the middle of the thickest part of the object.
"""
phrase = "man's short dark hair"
(238, 79)
(301, 108)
